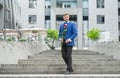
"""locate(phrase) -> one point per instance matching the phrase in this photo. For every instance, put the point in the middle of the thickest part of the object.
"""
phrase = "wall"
(108, 48)
(111, 17)
(39, 11)
(10, 52)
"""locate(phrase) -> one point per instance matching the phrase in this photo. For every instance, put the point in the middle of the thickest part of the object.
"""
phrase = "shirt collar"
(67, 22)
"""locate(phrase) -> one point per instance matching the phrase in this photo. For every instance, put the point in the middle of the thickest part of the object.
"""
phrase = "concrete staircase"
(51, 62)
(65, 77)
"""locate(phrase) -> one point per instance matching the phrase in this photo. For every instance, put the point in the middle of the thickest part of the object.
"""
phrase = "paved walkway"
(60, 75)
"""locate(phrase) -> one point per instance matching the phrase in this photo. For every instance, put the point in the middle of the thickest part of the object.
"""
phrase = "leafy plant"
(93, 34)
(53, 35)
(22, 40)
(10, 39)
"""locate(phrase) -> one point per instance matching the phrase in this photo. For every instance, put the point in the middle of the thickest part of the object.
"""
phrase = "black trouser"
(67, 56)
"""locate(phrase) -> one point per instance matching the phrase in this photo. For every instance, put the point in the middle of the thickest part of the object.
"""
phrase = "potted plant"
(93, 34)
(53, 36)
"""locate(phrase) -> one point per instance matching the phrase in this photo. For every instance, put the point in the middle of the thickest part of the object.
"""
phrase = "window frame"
(100, 19)
(32, 20)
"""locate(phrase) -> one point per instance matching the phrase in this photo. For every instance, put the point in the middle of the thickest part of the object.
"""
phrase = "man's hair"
(65, 14)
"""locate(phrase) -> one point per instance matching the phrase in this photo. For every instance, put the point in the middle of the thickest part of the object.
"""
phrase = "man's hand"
(68, 40)
(61, 40)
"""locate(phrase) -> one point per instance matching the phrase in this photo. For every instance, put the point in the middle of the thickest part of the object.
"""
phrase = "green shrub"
(22, 40)
(53, 35)
(93, 34)
(10, 39)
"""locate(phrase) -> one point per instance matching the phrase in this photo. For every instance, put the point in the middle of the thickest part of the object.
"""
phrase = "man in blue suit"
(67, 34)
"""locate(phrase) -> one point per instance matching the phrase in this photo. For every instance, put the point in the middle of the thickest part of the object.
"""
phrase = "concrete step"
(74, 62)
(57, 52)
(74, 59)
(48, 55)
(59, 76)
(73, 56)
(60, 67)
(37, 71)
(51, 62)
(74, 53)
(46, 64)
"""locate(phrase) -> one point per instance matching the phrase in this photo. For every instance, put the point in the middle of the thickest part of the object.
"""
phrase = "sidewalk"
(62, 75)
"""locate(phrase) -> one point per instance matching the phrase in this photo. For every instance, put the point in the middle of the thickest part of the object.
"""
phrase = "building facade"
(86, 14)
(103, 14)
(10, 14)
(33, 13)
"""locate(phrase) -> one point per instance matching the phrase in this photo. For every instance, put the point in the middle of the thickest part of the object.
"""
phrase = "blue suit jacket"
(71, 32)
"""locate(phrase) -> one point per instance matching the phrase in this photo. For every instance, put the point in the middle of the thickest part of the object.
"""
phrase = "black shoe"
(71, 71)
(67, 72)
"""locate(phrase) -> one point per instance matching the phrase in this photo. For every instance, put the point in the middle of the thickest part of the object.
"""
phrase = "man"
(67, 33)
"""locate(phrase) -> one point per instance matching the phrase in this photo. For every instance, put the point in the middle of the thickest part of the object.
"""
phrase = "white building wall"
(26, 11)
(17, 13)
(110, 12)
(111, 17)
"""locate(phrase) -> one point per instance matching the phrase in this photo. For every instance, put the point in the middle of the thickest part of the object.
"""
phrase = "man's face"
(66, 18)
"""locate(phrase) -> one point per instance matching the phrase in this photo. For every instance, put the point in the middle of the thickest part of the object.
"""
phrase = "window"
(119, 11)
(47, 4)
(100, 3)
(72, 17)
(85, 12)
(85, 18)
(32, 19)
(32, 3)
(66, 4)
(119, 26)
(119, 30)
(85, 3)
(1, 6)
(47, 22)
(59, 17)
(100, 19)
